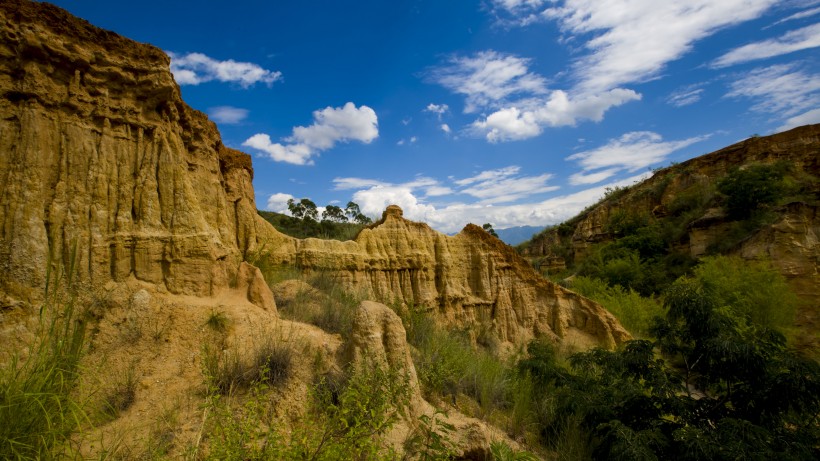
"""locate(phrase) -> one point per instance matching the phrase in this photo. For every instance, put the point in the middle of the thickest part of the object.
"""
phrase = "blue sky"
(513, 112)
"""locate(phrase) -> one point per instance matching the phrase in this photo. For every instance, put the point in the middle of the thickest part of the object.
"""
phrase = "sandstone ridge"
(470, 280)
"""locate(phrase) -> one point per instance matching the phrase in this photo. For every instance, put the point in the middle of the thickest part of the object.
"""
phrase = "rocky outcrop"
(103, 167)
(790, 242)
(470, 280)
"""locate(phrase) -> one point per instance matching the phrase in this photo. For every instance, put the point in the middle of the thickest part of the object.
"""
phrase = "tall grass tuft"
(38, 408)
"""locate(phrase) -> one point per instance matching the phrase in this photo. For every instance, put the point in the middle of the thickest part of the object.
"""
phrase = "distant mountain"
(515, 235)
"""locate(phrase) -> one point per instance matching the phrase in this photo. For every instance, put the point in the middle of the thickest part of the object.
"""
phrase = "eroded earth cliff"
(470, 280)
(104, 168)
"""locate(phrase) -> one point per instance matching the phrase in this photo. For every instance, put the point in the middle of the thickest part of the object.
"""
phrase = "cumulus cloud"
(438, 109)
(796, 40)
(781, 90)
(806, 118)
(279, 202)
(330, 126)
(631, 41)
(227, 115)
(560, 109)
(453, 217)
(490, 187)
(445, 128)
(631, 152)
(196, 68)
(488, 78)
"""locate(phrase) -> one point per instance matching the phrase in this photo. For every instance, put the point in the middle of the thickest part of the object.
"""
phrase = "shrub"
(754, 289)
(122, 395)
(269, 363)
(635, 312)
(217, 321)
(749, 188)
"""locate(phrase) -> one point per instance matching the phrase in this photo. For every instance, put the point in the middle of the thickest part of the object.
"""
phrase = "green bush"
(635, 312)
(749, 188)
(753, 289)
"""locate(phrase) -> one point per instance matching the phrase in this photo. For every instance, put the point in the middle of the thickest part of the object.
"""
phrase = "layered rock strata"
(104, 169)
(470, 280)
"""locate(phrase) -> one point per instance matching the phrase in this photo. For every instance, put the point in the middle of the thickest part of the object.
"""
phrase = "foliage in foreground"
(346, 420)
(734, 390)
(38, 410)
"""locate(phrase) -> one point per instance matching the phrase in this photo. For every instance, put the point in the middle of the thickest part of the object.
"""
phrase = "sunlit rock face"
(470, 280)
(104, 168)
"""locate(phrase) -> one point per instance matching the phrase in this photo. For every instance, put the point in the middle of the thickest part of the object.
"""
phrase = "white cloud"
(491, 187)
(445, 128)
(356, 183)
(632, 152)
(560, 109)
(632, 40)
(374, 200)
(799, 15)
(806, 118)
(517, 6)
(488, 78)
(781, 90)
(796, 40)
(685, 96)
(438, 191)
(227, 115)
(592, 178)
(453, 217)
(438, 109)
(279, 202)
(330, 126)
(196, 68)
(508, 187)
(413, 139)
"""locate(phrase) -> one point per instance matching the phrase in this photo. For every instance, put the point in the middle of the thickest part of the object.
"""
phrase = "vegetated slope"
(759, 198)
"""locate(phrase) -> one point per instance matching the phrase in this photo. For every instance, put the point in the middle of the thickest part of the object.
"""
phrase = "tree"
(355, 214)
(304, 209)
(333, 213)
(489, 228)
(352, 210)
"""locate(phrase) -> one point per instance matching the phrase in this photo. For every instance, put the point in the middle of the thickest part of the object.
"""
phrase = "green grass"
(39, 410)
